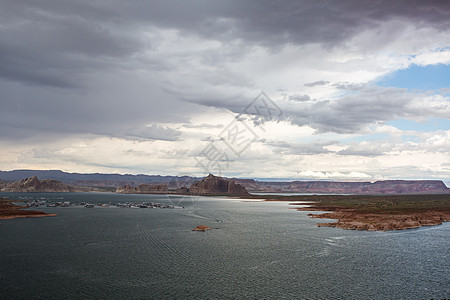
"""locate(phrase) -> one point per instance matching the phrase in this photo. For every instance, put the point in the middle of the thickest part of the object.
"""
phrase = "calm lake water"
(259, 250)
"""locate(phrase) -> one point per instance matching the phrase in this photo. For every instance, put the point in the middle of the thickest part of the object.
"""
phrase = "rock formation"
(214, 185)
(182, 190)
(143, 189)
(201, 228)
(33, 184)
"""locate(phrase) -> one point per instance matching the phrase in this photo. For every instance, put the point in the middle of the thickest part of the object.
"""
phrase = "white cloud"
(432, 57)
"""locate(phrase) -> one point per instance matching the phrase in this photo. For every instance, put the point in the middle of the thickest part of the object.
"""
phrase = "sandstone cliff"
(33, 184)
(214, 185)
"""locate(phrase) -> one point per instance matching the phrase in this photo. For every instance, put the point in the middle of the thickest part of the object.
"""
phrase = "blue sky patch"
(431, 77)
(431, 124)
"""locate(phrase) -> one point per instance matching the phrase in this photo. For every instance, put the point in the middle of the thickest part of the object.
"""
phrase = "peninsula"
(375, 212)
(8, 210)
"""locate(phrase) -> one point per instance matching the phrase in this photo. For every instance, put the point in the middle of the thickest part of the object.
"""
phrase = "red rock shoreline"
(353, 220)
(8, 211)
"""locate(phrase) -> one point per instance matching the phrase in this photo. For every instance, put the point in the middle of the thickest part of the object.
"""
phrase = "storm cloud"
(176, 72)
(55, 42)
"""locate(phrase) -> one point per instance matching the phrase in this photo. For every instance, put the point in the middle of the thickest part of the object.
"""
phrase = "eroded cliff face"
(33, 184)
(214, 185)
(143, 189)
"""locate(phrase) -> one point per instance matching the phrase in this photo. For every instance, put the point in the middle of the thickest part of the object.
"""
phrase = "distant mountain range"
(97, 179)
(112, 181)
(337, 187)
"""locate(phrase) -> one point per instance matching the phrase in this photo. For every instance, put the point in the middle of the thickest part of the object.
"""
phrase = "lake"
(257, 250)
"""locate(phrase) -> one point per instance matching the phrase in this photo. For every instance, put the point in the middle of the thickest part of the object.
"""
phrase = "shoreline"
(27, 216)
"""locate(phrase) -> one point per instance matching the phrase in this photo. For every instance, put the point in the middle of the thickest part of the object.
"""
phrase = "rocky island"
(201, 228)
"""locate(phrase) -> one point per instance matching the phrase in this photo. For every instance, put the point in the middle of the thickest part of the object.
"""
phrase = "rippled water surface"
(257, 250)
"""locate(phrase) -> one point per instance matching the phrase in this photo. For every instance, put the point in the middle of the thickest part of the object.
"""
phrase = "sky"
(281, 90)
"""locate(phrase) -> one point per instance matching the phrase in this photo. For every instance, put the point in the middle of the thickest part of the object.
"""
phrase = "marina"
(44, 203)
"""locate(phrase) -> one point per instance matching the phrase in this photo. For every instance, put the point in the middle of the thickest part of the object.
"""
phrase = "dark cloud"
(152, 132)
(293, 22)
(53, 42)
(203, 125)
(298, 97)
(78, 62)
(128, 110)
(349, 86)
(285, 148)
(367, 149)
(316, 83)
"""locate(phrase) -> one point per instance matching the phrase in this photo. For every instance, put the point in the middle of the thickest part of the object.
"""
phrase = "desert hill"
(33, 184)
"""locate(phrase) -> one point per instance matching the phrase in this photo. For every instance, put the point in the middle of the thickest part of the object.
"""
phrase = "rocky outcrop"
(33, 184)
(214, 185)
(182, 190)
(143, 189)
(335, 187)
(201, 228)
(126, 189)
